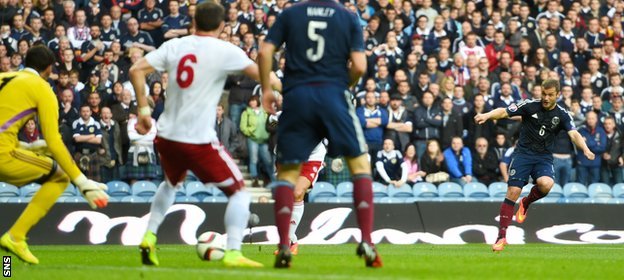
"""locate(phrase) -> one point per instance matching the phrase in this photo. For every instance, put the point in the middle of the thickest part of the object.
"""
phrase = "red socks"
(283, 207)
(506, 213)
(534, 195)
(363, 203)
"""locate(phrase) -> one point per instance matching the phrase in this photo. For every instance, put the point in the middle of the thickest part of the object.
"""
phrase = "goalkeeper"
(22, 95)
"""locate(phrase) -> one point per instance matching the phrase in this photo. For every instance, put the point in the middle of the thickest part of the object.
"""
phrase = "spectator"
(121, 115)
(35, 34)
(537, 37)
(54, 43)
(400, 125)
(141, 163)
(593, 35)
(156, 99)
(617, 112)
(137, 38)
(373, 120)
(92, 51)
(408, 101)
(459, 162)
(611, 170)
(87, 140)
(452, 124)
(390, 166)
(252, 125)
(241, 89)
(598, 109)
(460, 105)
(422, 86)
(150, 20)
(111, 146)
(226, 130)
(471, 47)
(485, 162)
(18, 30)
(29, 133)
(614, 88)
(68, 113)
(69, 63)
(427, 123)
(117, 23)
(432, 71)
(494, 51)
(414, 174)
(94, 11)
(432, 162)
(562, 158)
(79, 32)
(175, 25)
(588, 171)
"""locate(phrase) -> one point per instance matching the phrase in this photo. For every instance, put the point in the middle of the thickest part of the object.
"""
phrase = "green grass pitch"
(474, 261)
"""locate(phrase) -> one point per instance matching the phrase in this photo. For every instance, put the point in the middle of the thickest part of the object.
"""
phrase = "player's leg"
(211, 163)
(20, 168)
(543, 173)
(173, 164)
(345, 136)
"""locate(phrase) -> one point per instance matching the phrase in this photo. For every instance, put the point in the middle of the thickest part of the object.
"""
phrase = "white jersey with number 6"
(198, 67)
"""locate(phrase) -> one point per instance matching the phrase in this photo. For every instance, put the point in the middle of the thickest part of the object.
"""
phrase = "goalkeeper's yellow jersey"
(23, 95)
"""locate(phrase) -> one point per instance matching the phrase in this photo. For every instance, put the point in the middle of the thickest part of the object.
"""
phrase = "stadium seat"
(69, 191)
(340, 200)
(4, 199)
(74, 199)
(134, 199)
(556, 191)
(19, 199)
(118, 189)
(212, 188)
(403, 191)
(8, 190)
(600, 190)
(186, 199)
(498, 189)
(344, 189)
(321, 190)
(425, 190)
(180, 190)
(549, 199)
(215, 199)
(450, 190)
(476, 190)
(575, 190)
(410, 200)
(29, 190)
(597, 200)
(198, 190)
(570, 200)
(380, 190)
(391, 200)
(616, 201)
(322, 199)
(144, 189)
(618, 190)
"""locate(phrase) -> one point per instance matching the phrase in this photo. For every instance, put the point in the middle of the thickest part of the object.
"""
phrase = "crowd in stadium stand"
(432, 66)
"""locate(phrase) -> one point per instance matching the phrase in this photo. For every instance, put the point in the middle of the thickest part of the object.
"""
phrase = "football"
(211, 246)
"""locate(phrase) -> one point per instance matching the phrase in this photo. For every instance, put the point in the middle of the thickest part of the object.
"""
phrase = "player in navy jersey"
(541, 121)
(324, 56)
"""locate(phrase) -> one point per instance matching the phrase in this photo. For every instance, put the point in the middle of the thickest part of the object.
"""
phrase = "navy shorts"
(524, 165)
(312, 112)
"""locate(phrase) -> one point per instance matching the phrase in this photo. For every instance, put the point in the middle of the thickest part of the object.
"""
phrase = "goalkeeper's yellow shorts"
(20, 167)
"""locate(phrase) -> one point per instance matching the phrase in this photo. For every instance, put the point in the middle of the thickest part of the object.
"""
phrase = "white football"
(211, 246)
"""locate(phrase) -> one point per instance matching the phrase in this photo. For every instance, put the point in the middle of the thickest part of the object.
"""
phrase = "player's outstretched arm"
(499, 113)
(579, 142)
(138, 71)
(358, 67)
(265, 62)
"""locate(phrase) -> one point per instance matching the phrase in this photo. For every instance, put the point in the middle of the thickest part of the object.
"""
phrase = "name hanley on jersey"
(320, 12)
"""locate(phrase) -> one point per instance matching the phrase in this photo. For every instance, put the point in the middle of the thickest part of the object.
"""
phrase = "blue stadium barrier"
(616, 201)
(118, 189)
(618, 190)
(215, 199)
(575, 190)
(75, 199)
(134, 199)
(322, 199)
(321, 190)
(391, 200)
(600, 190)
(498, 189)
(571, 200)
(597, 200)
(423, 190)
(476, 190)
(29, 190)
(380, 190)
(450, 190)
(4, 199)
(340, 200)
(8, 190)
(344, 189)
(144, 189)
(186, 199)
(401, 192)
(19, 199)
(549, 199)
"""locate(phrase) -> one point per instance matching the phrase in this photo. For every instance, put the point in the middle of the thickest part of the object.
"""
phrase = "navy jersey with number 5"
(539, 126)
(319, 37)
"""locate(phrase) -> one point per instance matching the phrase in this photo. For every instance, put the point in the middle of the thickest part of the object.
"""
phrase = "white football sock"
(163, 199)
(297, 213)
(236, 218)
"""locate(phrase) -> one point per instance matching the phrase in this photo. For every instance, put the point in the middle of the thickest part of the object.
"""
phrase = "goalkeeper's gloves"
(94, 192)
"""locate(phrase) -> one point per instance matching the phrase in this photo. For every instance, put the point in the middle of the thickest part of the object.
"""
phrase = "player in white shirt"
(186, 141)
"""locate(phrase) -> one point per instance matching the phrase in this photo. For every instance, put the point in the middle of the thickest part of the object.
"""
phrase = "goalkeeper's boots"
(20, 249)
(148, 249)
(499, 245)
(370, 255)
(521, 214)
(283, 257)
(234, 258)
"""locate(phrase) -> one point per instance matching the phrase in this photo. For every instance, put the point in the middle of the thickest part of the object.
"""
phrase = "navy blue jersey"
(319, 37)
(539, 126)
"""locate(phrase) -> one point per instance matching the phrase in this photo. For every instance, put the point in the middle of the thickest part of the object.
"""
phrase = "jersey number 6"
(185, 80)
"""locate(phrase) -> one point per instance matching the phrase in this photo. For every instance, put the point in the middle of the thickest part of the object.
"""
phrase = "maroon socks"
(363, 203)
